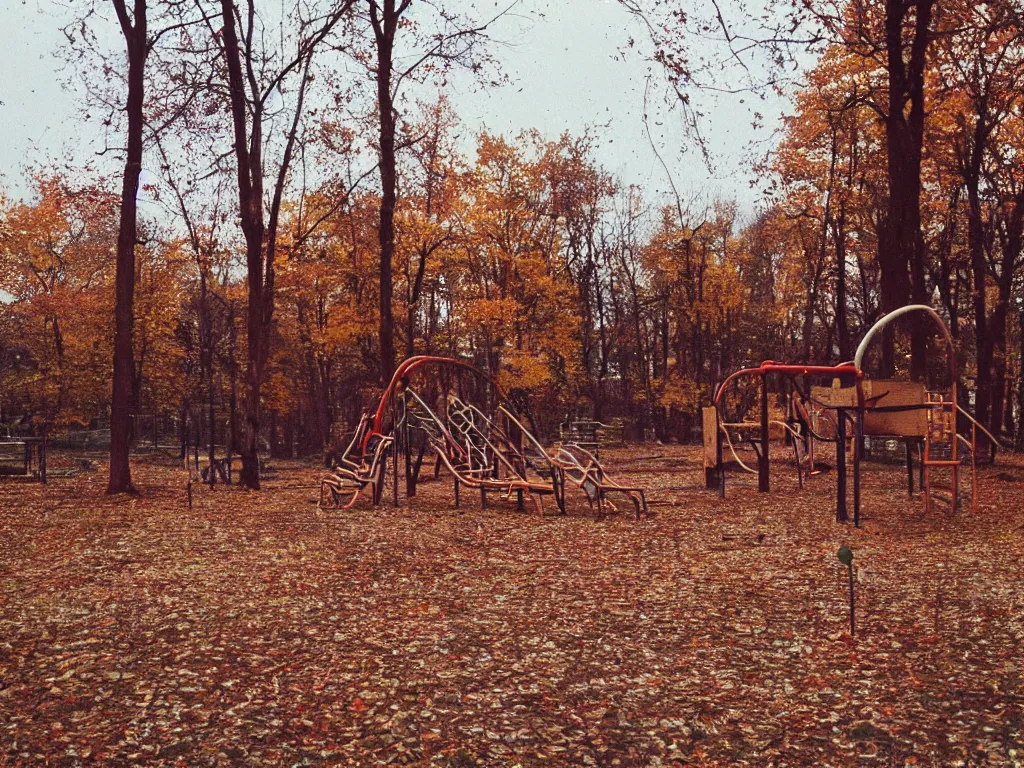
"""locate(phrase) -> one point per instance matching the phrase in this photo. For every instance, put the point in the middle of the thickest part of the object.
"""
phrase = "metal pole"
(926, 459)
(718, 455)
(394, 449)
(956, 444)
(841, 516)
(910, 471)
(974, 468)
(858, 440)
(762, 469)
(853, 625)
(920, 464)
(410, 481)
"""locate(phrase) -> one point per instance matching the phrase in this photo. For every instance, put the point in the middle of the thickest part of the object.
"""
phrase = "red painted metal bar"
(770, 366)
(407, 368)
(809, 370)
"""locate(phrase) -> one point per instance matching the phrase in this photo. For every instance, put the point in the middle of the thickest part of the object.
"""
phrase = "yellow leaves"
(683, 394)
(525, 372)
(496, 315)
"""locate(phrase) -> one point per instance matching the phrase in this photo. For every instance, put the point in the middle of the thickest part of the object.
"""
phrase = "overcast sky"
(566, 71)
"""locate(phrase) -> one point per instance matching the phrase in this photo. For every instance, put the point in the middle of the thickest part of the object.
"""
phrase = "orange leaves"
(55, 263)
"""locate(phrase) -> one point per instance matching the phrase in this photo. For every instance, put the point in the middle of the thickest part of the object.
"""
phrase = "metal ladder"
(940, 444)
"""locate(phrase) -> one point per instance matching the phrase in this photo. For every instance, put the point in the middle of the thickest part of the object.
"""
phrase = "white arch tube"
(863, 346)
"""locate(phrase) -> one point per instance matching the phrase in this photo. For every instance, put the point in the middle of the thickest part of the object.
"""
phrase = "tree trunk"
(248, 157)
(384, 28)
(1011, 243)
(842, 324)
(233, 376)
(997, 330)
(120, 479)
(1020, 383)
(970, 164)
(901, 250)
(983, 382)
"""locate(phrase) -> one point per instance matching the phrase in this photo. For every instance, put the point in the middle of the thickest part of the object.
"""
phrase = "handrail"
(770, 366)
(795, 433)
(993, 438)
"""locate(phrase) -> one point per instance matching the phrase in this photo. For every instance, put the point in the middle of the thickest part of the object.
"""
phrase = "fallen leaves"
(255, 630)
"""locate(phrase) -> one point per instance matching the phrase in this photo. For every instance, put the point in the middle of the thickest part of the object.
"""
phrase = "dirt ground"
(257, 630)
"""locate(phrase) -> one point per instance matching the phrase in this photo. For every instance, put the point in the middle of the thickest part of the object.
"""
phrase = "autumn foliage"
(525, 256)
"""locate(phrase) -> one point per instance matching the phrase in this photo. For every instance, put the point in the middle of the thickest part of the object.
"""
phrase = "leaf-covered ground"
(254, 630)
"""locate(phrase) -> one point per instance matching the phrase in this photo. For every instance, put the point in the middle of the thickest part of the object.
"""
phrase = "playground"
(263, 628)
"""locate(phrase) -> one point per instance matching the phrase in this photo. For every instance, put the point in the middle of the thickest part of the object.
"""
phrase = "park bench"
(592, 435)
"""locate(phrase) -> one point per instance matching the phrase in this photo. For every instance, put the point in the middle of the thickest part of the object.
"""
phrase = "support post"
(709, 429)
(920, 464)
(395, 448)
(910, 471)
(810, 447)
(762, 467)
(956, 449)
(561, 493)
(410, 481)
(927, 468)
(974, 468)
(858, 441)
(841, 516)
(853, 613)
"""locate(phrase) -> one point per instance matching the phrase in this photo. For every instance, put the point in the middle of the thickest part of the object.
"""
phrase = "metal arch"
(858, 358)
(411, 365)
(954, 406)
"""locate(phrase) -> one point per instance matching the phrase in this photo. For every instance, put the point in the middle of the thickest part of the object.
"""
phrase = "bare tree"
(137, 43)
(436, 45)
(256, 77)
(144, 108)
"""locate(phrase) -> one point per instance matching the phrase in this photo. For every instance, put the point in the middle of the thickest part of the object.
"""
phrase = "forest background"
(318, 198)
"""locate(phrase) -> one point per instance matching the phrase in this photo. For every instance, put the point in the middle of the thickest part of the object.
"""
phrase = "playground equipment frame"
(476, 449)
(854, 371)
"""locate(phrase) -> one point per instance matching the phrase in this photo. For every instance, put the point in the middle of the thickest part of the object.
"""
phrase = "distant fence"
(149, 432)
(81, 440)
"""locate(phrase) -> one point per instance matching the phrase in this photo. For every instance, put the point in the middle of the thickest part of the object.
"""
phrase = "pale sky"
(566, 72)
